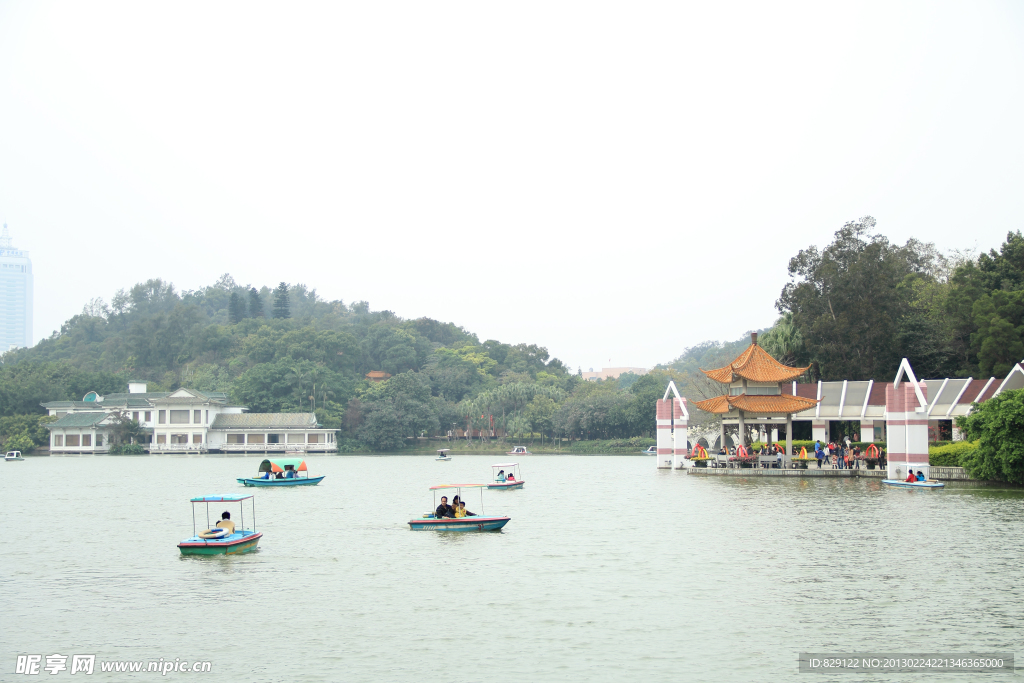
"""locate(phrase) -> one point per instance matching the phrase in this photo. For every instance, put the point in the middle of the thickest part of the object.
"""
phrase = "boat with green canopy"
(283, 472)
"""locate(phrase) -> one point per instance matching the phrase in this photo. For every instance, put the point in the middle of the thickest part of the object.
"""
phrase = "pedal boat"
(478, 522)
(927, 484)
(274, 465)
(442, 454)
(519, 450)
(505, 482)
(215, 541)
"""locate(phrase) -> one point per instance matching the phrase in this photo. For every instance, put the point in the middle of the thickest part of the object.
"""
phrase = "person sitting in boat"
(278, 475)
(910, 477)
(463, 512)
(501, 475)
(510, 477)
(226, 523)
(920, 476)
(266, 475)
(444, 509)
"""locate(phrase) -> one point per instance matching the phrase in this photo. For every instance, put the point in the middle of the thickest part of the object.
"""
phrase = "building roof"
(779, 404)
(79, 420)
(265, 421)
(121, 397)
(755, 365)
(377, 375)
(191, 396)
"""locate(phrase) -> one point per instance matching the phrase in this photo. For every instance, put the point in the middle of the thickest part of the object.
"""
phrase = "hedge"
(949, 455)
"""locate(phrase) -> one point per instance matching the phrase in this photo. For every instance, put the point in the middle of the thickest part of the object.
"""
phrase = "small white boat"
(928, 484)
(442, 454)
(651, 450)
(512, 479)
(13, 456)
(518, 450)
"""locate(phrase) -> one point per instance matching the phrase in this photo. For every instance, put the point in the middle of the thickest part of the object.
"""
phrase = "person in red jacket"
(910, 477)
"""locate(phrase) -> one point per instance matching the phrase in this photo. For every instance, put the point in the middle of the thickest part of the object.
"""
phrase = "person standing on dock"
(818, 455)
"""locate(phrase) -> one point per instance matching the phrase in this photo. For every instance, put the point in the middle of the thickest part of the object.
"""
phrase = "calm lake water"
(609, 571)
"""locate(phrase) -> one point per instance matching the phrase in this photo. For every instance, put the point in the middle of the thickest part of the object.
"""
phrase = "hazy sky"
(615, 181)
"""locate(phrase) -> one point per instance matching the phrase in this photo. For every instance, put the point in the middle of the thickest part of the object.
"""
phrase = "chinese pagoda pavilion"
(753, 386)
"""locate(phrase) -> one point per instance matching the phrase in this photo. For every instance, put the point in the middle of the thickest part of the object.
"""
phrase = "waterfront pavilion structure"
(752, 401)
(754, 386)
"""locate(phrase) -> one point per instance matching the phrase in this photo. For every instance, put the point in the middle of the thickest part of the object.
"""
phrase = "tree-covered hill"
(286, 349)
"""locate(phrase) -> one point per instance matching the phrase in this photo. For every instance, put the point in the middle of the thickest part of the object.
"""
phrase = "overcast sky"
(615, 181)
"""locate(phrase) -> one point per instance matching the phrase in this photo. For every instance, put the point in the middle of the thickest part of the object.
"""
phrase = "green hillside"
(286, 349)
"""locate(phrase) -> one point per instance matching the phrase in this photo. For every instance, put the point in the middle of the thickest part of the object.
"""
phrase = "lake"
(610, 570)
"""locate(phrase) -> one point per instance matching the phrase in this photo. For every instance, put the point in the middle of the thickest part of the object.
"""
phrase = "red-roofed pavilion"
(753, 387)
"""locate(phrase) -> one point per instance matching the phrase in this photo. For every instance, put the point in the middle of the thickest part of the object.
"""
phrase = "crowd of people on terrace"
(842, 455)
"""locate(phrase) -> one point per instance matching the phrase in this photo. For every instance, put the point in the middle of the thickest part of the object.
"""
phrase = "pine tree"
(281, 305)
(236, 308)
(255, 304)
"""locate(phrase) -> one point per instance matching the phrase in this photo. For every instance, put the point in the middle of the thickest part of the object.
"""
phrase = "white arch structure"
(672, 419)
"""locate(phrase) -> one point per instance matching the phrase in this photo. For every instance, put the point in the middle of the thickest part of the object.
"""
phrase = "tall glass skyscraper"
(15, 295)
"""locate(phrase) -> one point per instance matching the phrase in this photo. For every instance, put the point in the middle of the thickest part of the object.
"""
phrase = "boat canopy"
(507, 464)
(458, 486)
(225, 498)
(278, 465)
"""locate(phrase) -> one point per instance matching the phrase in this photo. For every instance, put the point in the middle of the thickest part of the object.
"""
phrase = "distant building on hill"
(377, 376)
(611, 373)
(15, 295)
(183, 421)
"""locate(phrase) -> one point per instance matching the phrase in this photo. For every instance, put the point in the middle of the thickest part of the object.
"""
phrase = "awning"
(225, 498)
(279, 465)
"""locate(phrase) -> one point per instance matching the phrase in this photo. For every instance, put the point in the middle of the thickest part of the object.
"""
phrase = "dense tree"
(850, 301)
(236, 308)
(998, 427)
(255, 304)
(282, 306)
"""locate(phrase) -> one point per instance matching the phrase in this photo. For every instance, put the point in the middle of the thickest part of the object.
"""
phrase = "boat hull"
(506, 486)
(235, 544)
(305, 481)
(460, 524)
(443, 459)
(896, 483)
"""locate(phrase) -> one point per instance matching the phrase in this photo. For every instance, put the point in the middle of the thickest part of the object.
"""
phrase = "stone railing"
(276, 447)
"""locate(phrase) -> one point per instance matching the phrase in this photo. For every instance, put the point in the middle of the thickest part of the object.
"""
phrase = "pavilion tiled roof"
(779, 404)
(755, 365)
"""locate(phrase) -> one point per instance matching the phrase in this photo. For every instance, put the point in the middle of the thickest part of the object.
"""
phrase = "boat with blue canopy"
(283, 472)
(223, 538)
(431, 521)
(508, 476)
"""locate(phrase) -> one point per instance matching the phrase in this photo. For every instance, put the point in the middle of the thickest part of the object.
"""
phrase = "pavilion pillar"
(743, 430)
(679, 434)
(722, 442)
(789, 436)
(906, 426)
(664, 433)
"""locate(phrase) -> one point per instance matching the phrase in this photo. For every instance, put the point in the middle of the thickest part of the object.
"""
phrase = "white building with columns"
(183, 421)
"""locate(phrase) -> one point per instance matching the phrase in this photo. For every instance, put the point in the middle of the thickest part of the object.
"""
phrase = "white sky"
(615, 181)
